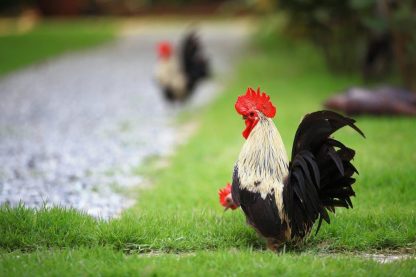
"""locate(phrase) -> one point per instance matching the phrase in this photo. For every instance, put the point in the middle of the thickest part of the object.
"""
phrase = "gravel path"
(72, 128)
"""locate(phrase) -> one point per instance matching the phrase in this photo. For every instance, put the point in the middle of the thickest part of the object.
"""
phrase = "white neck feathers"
(263, 163)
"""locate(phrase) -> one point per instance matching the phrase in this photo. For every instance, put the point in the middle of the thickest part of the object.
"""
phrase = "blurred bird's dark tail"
(194, 62)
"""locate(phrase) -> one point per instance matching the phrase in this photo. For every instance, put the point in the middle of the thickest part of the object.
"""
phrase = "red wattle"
(250, 124)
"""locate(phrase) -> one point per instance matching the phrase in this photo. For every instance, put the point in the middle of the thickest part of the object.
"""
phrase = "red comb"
(255, 100)
(164, 49)
(224, 199)
(223, 193)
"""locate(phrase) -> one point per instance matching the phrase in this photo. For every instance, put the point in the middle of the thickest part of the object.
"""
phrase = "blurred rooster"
(179, 74)
(283, 199)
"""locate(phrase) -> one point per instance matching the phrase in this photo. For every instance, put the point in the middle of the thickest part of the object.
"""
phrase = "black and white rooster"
(282, 199)
(179, 73)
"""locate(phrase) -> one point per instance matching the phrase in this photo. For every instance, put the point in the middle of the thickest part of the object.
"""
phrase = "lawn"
(178, 226)
(50, 38)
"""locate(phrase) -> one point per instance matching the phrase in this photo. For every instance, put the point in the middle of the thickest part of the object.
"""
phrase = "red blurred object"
(165, 49)
(226, 199)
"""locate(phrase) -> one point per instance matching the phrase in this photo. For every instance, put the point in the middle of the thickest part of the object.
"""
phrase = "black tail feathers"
(321, 171)
(194, 63)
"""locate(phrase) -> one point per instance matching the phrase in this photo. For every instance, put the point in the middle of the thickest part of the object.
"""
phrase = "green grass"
(178, 224)
(50, 38)
(106, 262)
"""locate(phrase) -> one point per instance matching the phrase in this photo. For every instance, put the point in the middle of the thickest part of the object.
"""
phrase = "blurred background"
(75, 125)
(372, 37)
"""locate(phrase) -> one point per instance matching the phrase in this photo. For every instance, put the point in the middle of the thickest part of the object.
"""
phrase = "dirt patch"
(387, 258)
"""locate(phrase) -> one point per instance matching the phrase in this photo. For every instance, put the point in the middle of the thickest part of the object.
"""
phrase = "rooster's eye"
(252, 114)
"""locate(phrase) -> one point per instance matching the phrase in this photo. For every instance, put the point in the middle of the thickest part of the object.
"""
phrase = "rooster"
(179, 74)
(282, 199)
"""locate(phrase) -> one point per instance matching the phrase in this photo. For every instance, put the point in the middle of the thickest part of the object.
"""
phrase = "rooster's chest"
(261, 198)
